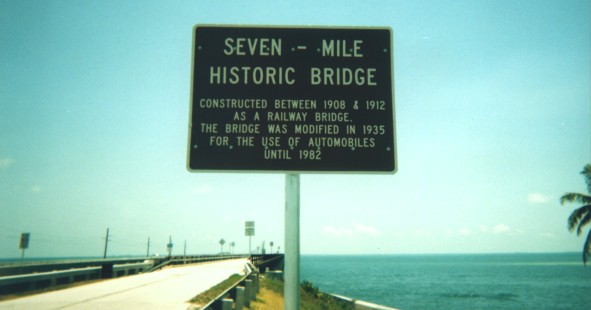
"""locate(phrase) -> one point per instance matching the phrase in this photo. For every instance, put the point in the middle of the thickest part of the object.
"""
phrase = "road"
(169, 288)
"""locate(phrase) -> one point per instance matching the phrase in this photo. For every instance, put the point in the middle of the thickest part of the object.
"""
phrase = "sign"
(249, 228)
(169, 245)
(24, 242)
(292, 99)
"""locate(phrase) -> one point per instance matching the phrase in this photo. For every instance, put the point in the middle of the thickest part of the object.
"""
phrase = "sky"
(493, 125)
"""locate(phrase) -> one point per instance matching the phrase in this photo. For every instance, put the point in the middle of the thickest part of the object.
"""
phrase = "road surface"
(170, 288)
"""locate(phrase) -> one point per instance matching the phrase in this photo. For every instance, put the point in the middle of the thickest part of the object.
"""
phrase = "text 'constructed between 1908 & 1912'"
(292, 99)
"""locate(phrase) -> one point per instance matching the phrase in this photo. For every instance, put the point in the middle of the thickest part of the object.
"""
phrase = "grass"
(271, 297)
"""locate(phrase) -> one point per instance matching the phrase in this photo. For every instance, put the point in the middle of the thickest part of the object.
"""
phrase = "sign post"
(292, 100)
(249, 231)
(292, 242)
(24, 243)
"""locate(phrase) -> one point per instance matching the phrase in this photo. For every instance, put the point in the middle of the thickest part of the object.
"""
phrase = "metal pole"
(292, 242)
(148, 251)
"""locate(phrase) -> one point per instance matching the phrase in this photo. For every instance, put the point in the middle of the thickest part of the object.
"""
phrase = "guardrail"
(42, 280)
(182, 260)
(237, 296)
(27, 267)
(245, 290)
(272, 261)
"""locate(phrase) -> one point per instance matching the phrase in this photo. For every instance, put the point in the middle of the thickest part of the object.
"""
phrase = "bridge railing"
(27, 267)
(192, 259)
(42, 280)
(41, 276)
(241, 292)
(272, 261)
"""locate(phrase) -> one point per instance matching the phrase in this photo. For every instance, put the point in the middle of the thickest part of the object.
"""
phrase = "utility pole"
(148, 251)
(106, 244)
(185, 249)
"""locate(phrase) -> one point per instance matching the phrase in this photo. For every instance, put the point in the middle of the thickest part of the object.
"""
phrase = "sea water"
(454, 281)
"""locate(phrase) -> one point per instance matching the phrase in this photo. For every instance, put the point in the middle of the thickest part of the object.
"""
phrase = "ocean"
(455, 281)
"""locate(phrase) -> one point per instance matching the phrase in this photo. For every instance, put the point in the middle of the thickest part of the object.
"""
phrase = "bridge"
(152, 286)
(169, 288)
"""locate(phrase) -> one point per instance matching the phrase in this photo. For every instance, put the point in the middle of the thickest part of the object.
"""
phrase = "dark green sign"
(292, 99)
(24, 241)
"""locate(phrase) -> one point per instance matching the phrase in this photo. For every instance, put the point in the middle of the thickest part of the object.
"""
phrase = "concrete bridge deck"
(170, 288)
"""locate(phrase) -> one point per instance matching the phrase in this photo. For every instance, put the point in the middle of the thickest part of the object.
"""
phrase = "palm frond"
(576, 217)
(587, 248)
(584, 221)
(587, 173)
(575, 197)
(581, 216)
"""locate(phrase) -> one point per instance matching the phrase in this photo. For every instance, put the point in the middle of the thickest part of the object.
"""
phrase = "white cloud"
(464, 232)
(203, 189)
(368, 230)
(338, 232)
(537, 198)
(501, 229)
(419, 233)
(357, 229)
(5, 163)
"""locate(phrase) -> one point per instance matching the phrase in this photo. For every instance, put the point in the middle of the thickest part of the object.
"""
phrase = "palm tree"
(582, 215)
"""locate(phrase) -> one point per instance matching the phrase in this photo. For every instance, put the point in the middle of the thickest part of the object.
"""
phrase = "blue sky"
(493, 121)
